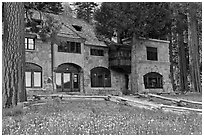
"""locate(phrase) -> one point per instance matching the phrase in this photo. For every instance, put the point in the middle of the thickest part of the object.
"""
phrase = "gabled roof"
(68, 28)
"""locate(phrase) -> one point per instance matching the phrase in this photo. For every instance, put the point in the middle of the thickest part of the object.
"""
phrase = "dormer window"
(37, 21)
(29, 43)
(77, 28)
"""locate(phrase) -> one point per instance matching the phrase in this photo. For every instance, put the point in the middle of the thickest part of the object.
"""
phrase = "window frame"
(102, 72)
(32, 79)
(152, 76)
(27, 47)
(30, 82)
(96, 52)
(152, 53)
(32, 71)
(69, 47)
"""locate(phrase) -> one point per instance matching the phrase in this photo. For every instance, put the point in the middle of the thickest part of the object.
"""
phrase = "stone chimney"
(67, 10)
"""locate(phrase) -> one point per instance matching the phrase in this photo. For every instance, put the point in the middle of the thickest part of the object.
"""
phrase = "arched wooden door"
(68, 78)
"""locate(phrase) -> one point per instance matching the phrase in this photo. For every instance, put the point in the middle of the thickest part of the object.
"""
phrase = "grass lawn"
(99, 118)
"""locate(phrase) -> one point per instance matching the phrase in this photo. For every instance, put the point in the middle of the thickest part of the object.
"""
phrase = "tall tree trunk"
(134, 73)
(13, 55)
(171, 61)
(182, 64)
(193, 48)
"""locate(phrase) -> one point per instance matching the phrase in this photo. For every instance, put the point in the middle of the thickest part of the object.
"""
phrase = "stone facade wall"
(63, 57)
(91, 62)
(88, 62)
(162, 49)
(42, 57)
(118, 81)
(144, 66)
(75, 58)
(161, 68)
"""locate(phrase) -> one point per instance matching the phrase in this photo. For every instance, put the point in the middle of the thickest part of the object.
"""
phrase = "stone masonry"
(144, 66)
(91, 62)
(42, 57)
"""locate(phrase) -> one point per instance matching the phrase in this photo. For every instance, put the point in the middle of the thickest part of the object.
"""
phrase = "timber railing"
(130, 101)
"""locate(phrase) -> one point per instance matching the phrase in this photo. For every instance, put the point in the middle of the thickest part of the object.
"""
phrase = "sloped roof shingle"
(87, 32)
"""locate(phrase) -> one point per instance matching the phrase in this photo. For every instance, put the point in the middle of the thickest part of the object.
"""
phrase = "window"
(100, 77)
(33, 75)
(152, 53)
(153, 80)
(29, 44)
(77, 28)
(70, 47)
(61, 47)
(97, 52)
(28, 79)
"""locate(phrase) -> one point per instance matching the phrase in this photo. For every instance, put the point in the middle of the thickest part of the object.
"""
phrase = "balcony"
(120, 58)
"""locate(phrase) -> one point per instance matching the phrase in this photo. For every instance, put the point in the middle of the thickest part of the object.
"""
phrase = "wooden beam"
(71, 96)
(165, 98)
(68, 96)
(176, 100)
(181, 108)
(142, 103)
(122, 99)
(159, 93)
(191, 102)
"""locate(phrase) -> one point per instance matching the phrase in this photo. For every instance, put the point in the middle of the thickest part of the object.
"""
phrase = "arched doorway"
(68, 77)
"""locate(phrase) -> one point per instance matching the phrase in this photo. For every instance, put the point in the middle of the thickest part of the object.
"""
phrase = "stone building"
(77, 62)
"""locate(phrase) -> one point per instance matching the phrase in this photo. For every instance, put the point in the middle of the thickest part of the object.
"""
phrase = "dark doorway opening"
(68, 78)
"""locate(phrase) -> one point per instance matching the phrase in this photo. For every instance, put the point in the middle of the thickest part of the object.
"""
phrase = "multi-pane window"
(29, 43)
(33, 75)
(153, 80)
(70, 47)
(100, 77)
(152, 53)
(97, 52)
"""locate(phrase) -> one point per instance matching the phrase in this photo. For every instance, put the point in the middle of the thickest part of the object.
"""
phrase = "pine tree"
(13, 54)
(180, 49)
(49, 7)
(144, 19)
(133, 20)
(193, 42)
(85, 10)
